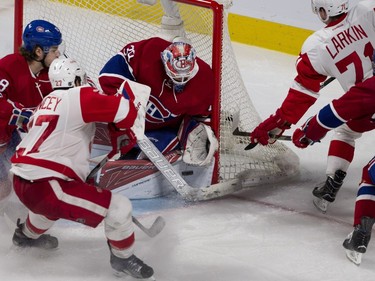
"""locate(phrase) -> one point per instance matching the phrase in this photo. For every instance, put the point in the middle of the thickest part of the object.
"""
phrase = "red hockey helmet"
(179, 61)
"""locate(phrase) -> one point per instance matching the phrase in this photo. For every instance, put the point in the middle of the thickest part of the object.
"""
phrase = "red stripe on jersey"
(97, 107)
(47, 164)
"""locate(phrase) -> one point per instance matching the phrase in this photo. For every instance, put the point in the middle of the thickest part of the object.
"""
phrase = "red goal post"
(95, 30)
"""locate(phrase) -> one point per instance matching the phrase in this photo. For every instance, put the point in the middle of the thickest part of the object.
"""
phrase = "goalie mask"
(41, 33)
(179, 60)
(331, 7)
(66, 73)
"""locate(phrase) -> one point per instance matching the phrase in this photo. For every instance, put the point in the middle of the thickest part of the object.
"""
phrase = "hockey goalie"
(177, 117)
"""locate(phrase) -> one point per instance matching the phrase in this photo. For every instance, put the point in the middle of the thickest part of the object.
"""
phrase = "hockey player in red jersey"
(343, 49)
(51, 164)
(357, 105)
(182, 94)
(23, 84)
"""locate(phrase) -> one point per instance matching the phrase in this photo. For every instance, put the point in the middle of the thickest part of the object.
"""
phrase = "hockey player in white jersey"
(51, 164)
(343, 49)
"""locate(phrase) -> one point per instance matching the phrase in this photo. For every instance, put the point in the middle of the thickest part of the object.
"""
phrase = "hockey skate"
(357, 241)
(132, 266)
(45, 241)
(326, 193)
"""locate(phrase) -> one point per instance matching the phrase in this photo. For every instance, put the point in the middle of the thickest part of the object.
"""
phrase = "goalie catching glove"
(198, 142)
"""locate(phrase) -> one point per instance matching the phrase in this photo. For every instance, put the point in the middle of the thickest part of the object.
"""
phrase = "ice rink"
(265, 233)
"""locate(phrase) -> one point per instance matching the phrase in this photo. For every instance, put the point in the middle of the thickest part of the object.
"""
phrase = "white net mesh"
(96, 30)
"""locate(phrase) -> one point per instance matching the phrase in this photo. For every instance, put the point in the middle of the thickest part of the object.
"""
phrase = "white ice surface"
(266, 233)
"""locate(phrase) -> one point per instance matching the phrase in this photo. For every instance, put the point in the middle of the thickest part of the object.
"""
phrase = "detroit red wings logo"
(156, 112)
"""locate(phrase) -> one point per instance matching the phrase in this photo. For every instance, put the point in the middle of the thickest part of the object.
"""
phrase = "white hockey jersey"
(343, 49)
(62, 130)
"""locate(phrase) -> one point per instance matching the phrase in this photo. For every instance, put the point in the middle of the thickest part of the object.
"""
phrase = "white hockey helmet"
(331, 7)
(66, 73)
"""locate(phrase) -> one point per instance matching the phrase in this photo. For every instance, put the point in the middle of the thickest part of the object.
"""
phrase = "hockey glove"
(275, 124)
(304, 136)
(138, 94)
(198, 142)
(20, 116)
(122, 140)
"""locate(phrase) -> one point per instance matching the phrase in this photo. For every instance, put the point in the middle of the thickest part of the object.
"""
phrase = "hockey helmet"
(331, 7)
(41, 33)
(65, 73)
(179, 60)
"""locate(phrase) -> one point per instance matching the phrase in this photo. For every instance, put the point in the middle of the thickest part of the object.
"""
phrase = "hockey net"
(95, 30)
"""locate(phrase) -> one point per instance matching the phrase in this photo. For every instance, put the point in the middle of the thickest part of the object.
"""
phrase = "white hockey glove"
(139, 95)
(124, 139)
(201, 145)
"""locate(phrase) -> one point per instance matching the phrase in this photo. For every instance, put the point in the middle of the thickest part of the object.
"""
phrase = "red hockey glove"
(300, 140)
(121, 140)
(274, 124)
(302, 136)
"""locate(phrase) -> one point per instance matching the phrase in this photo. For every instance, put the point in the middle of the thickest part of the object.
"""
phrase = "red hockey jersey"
(141, 62)
(19, 84)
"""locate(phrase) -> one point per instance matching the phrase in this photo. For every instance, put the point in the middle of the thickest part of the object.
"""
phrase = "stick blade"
(157, 226)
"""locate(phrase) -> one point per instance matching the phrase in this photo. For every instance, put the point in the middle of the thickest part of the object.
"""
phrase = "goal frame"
(205, 22)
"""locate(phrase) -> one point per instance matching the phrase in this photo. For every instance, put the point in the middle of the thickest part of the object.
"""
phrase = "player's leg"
(340, 155)
(86, 204)
(364, 216)
(119, 230)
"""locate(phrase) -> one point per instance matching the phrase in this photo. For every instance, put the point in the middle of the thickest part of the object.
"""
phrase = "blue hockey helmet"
(41, 33)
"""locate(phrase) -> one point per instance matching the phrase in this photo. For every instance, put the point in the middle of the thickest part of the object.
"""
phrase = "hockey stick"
(180, 185)
(97, 168)
(166, 168)
(237, 132)
(156, 227)
(328, 81)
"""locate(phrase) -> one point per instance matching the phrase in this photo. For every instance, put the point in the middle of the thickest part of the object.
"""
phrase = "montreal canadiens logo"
(182, 64)
(156, 112)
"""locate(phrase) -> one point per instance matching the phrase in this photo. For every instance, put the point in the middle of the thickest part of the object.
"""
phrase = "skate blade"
(354, 257)
(127, 277)
(321, 204)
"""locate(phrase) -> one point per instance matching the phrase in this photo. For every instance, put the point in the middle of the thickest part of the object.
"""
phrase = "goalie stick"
(237, 132)
(179, 184)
